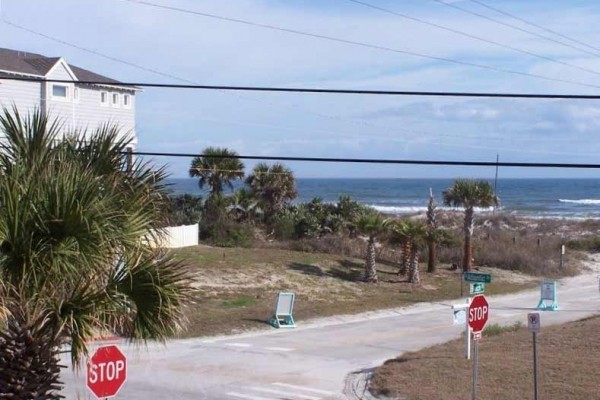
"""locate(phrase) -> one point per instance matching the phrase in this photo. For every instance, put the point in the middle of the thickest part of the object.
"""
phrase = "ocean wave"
(420, 209)
(398, 210)
(581, 201)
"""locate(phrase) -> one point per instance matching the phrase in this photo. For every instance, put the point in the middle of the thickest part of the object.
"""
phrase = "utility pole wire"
(379, 161)
(357, 122)
(514, 27)
(94, 52)
(356, 43)
(536, 25)
(478, 38)
(316, 90)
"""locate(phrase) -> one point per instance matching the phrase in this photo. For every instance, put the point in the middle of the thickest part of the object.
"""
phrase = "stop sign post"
(478, 317)
(478, 313)
(106, 371)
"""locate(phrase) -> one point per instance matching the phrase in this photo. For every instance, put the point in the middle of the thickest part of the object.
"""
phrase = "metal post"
(535, 366)
(460, 281)
(129, 159)
(475, 362)
(496, 181)
(468, 343)
(562, 253)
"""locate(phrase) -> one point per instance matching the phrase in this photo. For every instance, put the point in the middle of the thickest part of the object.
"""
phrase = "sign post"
(533, 323)
(478, 317)
(106, 372)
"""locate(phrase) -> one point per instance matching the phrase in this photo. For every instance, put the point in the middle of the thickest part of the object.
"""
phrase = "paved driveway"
(313, 361)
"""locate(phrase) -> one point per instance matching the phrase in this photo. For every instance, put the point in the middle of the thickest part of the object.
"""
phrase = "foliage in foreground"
(75, 221)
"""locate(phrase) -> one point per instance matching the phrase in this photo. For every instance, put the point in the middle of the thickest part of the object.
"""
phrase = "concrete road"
(313, 361)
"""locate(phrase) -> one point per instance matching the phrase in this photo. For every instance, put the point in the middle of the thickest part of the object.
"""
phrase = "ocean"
(536, 198)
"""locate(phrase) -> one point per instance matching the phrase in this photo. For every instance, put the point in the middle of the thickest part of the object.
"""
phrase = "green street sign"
(477, 288)
(474, 277)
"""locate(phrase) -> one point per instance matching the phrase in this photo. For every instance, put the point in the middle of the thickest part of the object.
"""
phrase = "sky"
(183, 47)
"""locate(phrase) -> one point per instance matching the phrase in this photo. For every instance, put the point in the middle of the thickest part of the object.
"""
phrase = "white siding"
(181, 236)
(84, 113)
(176, 236)
(25, 95)
(89, 113)
(58, 107)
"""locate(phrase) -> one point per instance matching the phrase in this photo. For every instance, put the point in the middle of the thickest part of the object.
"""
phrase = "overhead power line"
(279, 103)
(523, 20)
(360, 44)
(379, 161)
(512, 26)
(317, 90)
(475, 37)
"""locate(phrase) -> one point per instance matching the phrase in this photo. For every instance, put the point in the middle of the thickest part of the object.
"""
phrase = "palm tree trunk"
(29, 365)
(431, 258)
(406, 251)
(370, 271)
(413, 273)
(468, 258)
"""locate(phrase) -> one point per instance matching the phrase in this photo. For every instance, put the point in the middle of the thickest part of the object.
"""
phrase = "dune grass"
(239, 285)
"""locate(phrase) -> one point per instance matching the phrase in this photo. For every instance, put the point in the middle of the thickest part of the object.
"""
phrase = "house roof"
(22, 62)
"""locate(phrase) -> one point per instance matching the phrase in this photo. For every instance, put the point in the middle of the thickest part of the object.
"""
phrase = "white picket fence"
(180, 236)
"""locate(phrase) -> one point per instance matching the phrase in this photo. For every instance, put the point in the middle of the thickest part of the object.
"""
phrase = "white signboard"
(533, 322)
(548, 290)
(460, 316)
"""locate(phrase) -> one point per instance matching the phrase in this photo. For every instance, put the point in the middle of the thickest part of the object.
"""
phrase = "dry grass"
(568, 365)
(238, 286)
(500, 241)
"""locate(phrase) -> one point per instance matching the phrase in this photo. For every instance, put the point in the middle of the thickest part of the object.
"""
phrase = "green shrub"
(184, 209)
(589, 243)
(230, 234)
(284, 226)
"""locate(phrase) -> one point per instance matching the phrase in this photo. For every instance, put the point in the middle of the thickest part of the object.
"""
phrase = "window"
(115, 99)
(126, 101)
(103, 98)
(76, 94)
(59, 91)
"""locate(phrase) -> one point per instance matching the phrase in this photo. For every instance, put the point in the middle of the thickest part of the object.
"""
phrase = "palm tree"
(398, 235)
(469, 194)
(371, 225)
(431, 226)
(244, 205)
(273, 185)
(73, 255)
(417, 233)
(412, 235)
(216, 168)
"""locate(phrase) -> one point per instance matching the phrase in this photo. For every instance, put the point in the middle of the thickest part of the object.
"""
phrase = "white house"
(77, 105)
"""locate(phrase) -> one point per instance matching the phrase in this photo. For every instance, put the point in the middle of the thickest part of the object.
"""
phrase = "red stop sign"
(106, 371)
(478, 313)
